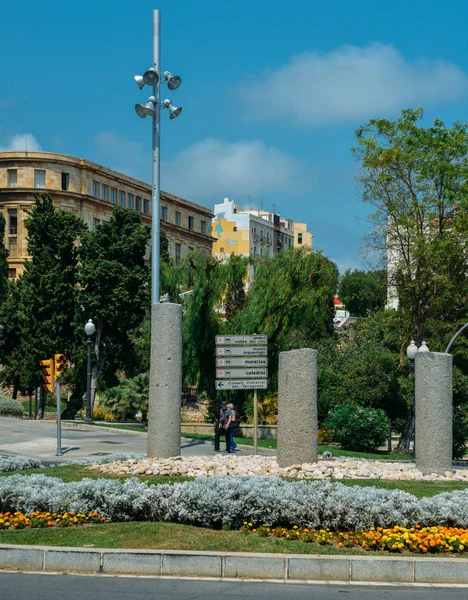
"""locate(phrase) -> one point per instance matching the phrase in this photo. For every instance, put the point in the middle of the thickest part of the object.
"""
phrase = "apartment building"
(90, 191)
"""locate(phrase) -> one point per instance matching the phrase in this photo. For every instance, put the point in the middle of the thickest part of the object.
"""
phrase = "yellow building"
(302, 237)
(91, 191)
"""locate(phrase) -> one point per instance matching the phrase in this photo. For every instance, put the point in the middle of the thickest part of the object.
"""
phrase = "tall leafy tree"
(291, 301)
(416, 179)
(114, 292)
(39, 313)
(363, 292)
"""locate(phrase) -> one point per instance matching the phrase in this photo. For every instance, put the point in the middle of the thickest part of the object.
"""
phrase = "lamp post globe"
(90, 328)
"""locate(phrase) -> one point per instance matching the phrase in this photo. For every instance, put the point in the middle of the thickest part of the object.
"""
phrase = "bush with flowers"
(38, 519)
(358, 428)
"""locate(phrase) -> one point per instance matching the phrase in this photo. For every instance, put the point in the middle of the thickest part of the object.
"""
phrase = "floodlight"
(174, 111)
(143, 110)
(151, 76)
(139, 81)
(173, 81)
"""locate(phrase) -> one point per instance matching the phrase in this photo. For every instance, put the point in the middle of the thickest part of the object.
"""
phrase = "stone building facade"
(91, 191)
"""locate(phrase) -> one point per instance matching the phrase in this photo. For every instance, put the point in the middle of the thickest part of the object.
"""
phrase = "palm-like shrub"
(129, 397)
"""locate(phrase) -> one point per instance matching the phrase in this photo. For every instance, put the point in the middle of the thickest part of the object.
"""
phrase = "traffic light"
(60, 367)
(49, 374)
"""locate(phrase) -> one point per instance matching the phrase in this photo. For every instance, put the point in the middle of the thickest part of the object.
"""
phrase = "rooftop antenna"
(274, 207)
(250, 203)
(26, 123)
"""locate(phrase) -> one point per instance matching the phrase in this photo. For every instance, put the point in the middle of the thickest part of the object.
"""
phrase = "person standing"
(232, 426)
(220, 427)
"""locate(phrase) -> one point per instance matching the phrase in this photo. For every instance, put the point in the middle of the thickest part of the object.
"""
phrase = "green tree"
(363, 291)
(38, 316)
(291, 301)
(204, 276)
(235, 274)
(114, 292)
(416, 179)
(3, 260)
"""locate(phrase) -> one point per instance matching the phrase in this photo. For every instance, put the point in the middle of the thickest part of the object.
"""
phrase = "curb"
(236, 565)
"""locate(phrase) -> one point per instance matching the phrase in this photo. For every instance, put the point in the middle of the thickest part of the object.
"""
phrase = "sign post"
(241, 364)
(59, 419)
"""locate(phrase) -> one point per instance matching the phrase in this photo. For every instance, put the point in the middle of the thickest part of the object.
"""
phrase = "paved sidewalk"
(38, 439)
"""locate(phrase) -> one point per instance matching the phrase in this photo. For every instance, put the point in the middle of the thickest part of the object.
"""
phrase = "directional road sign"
(261, 361)
(242, 384)
(241, 340)
(241, 373)
(241, 350)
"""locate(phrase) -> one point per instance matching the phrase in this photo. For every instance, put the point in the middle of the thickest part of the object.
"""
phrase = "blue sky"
(272, 93)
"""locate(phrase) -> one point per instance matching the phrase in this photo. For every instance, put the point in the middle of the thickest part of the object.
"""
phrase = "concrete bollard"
(297, 407)
(433, 399)
(165, 381)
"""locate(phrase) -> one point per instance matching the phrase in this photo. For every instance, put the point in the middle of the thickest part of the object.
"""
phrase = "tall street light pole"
(166, 319)
(89, 330)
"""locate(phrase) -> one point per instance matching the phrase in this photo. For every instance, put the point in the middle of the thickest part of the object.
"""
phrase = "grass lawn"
(164, 536)
(48, 409)
(418, 488)
(335, 450)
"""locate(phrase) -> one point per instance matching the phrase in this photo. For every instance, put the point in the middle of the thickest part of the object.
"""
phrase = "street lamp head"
(90, 328)
(143, 110)
(151, 76)
(174, 111)
(412, 350)
(173, 81)
(423, 347)
(139, 81)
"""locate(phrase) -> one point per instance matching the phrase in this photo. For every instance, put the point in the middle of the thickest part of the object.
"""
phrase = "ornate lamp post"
(89, 330)
(411, 352)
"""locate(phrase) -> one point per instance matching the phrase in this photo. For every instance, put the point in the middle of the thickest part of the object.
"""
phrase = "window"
(138, 203)
(96, 222)
(129, 200)
(105, 191)
(221, 249)
(203, 227)
(190, 223)
(145, 206)
(113, 196)
(11, 273)
(39, 178)
(65, 181)
(12, 221)
(13, 246)
(163, 213)
(178, 218)
(12, 177)
(177, 254)
(190, 249)
(122, 198)
(234, 228)
(96, 189)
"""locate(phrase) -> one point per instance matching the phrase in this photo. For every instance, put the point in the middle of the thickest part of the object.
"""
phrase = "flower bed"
(423, 540)
(36, 519)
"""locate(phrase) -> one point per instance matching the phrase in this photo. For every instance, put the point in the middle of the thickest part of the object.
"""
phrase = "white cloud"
(18, 142)
(210, 168)
(350, 83)
(213, 167)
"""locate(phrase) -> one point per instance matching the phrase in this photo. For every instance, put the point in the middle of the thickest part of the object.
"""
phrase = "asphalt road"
(39, 439)
(42, 586)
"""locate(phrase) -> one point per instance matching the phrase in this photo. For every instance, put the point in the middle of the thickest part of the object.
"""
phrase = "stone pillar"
(433, 378)
(165, 394)
(297, 407)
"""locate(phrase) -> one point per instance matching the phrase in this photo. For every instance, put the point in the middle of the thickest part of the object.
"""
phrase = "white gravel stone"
(231, 465)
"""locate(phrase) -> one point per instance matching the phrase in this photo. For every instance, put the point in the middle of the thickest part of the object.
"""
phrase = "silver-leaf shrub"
(217, 501)
(18, 463)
